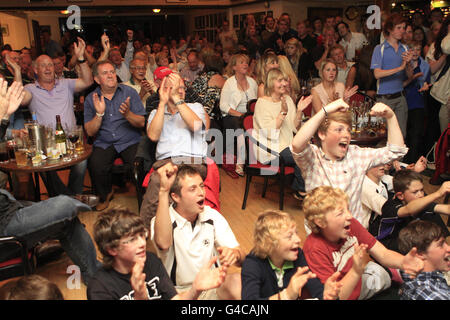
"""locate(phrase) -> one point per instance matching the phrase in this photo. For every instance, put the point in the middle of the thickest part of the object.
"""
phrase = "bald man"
(48, 97)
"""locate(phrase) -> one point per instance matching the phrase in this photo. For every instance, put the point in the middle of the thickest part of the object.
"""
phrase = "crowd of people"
(366, 222)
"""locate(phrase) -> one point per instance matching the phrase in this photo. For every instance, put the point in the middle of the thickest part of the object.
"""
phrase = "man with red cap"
(179, 130)
(158, 75)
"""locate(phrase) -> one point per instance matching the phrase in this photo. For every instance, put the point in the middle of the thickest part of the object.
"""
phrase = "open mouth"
(347, 228)
(343, 145)
(201, 202)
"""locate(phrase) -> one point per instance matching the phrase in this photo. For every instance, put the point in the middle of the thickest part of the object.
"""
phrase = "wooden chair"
(254, 168)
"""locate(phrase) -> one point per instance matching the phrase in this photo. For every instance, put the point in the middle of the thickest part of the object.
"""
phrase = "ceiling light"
(156, 10)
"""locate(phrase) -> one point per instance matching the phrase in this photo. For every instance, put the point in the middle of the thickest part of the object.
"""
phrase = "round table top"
(47, 165)
(364, 138)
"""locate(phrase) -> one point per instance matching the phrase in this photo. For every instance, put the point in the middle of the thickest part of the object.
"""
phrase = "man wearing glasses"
(138, 82)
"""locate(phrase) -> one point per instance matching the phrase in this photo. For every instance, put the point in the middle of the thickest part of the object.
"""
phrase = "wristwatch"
(283, 113)
(5, 122)
(100, 114)
(179, 102)
(81, 61)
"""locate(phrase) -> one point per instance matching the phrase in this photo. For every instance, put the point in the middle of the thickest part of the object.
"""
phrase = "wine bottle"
(60, 137)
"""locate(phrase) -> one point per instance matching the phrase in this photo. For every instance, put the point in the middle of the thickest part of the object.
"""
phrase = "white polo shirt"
(176, 139)
(373, 197)
(194, 246)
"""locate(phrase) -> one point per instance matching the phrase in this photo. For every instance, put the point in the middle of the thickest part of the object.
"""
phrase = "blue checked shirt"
(426, 286)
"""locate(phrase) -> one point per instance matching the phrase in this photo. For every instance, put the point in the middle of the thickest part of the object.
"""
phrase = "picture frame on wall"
(4, 30)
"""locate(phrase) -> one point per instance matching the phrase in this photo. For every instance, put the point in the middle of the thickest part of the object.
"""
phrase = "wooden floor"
(241, 221)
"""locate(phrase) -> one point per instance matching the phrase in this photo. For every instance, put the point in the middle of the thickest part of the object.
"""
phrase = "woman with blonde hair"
(237, 91)
(275, 120)
(293, 86)
(329, 89)
(299, 58)
(266, 62)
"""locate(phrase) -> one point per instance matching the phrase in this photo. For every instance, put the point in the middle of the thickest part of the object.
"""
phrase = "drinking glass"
(21, 150)
(73, 136)
(79, 146)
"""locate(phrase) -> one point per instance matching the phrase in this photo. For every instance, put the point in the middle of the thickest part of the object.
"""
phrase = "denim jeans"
(55, 186)
(298, 184)
(56, 218)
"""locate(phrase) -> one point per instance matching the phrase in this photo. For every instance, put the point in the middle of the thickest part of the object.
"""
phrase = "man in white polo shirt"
(179, 129)
(188, 233)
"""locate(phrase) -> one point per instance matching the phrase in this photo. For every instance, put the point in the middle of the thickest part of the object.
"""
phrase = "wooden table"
(364, 139)
(45, 166)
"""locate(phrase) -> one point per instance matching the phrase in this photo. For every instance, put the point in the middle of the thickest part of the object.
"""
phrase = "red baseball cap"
(161, 72)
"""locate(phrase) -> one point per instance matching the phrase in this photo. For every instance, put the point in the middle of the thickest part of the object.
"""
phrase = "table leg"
(37, 189)
(10, 182)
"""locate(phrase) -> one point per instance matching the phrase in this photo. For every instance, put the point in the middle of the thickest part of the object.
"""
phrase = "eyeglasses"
(132, 239)
(138, 68)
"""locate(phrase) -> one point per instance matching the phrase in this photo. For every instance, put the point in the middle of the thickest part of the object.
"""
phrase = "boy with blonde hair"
(340, 243)
(276, 268)
(333, 161)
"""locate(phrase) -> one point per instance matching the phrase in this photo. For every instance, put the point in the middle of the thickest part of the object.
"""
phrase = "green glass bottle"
(60, 137)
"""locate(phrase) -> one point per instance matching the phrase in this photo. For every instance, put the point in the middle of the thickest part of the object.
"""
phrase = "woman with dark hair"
(208, 86)
(361, 75)
(419, 35)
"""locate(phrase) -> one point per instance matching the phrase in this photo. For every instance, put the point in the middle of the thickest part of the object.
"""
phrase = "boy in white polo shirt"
(187, 234)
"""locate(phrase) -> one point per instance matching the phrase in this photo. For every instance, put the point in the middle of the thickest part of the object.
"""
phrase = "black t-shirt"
(108, 284)
(387, 226)
(308, 42)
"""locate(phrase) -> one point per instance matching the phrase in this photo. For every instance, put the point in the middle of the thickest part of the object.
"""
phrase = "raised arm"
(409, 263)
(95, 123)
(163, 225)
(10, 98)
(155, 126)
(106, 47)
(15, 67)
(191, 119)
(394, 133)
(417, 205)
(86, 78)
(308, 129)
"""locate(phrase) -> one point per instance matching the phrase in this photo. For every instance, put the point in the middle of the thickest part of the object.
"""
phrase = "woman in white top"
(275, 121)
(437, 58)
(329, 89)
(236, 92)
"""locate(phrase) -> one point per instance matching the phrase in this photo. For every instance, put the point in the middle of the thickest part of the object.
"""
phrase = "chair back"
(15, 258)
(251, 106)
(247, 123)
(357, 97)
(308, 110)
